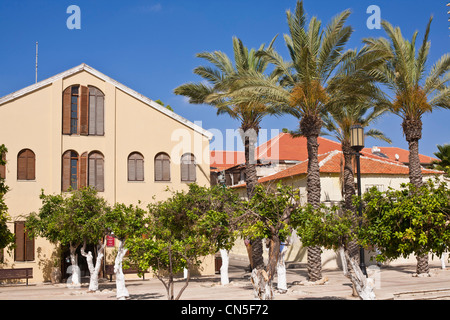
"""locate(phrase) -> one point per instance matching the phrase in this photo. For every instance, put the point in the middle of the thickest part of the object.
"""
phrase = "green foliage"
(70, 218)
(328, 227)
(123, 220)
(269, 212)
(444, 158)
(406, 221)
(184, 228)
(6, 236)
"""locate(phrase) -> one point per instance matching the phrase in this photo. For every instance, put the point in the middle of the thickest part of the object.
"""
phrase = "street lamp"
(357, 144)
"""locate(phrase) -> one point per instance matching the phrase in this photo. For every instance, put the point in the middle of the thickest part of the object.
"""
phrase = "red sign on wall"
(110, 241)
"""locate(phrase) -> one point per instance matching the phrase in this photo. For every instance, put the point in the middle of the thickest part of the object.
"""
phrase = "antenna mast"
(36, 60)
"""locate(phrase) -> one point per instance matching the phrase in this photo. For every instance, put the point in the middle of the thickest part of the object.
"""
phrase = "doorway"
(82, 263)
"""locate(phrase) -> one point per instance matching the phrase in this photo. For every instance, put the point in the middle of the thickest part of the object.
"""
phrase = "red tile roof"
(331, 163)
(285, 147)
(221, 160)
(403, 155)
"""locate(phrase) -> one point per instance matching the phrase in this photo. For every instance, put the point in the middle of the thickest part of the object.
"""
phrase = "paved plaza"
(392, 283)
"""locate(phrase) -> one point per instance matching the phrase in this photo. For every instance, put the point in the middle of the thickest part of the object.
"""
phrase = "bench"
(109, 271)
(19, 273)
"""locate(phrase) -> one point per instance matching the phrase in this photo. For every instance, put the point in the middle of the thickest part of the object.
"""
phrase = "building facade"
(81, 128)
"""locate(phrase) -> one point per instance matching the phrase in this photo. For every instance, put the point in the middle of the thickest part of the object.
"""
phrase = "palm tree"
(338, 122)
(416, 92)
(315, 78)
(218, 93)
(444, 158)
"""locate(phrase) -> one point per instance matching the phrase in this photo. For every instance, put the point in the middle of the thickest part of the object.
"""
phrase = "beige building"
(81, 127)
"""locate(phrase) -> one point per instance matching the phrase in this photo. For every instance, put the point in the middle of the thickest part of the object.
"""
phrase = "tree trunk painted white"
(93, 269)
(122, 292)
(74, 281)
(281, 270)
(343, 261)
(364, 286)
(262, 286)
(224, 268)
(443, 260)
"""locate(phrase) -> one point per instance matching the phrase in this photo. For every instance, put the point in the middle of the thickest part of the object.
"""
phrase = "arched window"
(83, 111)
(96, 112)
(69, 170)
(188, 173)
(26, 165)
(96, 171)
(162, 167)
(135, 167)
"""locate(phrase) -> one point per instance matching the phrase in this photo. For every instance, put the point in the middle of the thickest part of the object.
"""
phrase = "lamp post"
(357, 144)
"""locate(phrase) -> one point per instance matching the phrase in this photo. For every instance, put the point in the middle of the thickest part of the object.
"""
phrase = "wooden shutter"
(192, 168)
(100, 114)
(84, 110)
(92, 110)
(96, 171)
(96, 112)
(26, 163)
(158, 168)
(131, 169)
(166, 169)
(184, 169)
(100, 176)
(83, 170)
(31, 165)
(140, 169)
(67, 97)
(19, 227)
(65, 183)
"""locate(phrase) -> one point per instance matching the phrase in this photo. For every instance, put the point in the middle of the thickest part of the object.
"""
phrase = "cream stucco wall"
(34, 121)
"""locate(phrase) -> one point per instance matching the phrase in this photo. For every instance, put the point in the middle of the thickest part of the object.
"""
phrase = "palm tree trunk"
(349, 192)
(251, 179)
(310, 126)
(412, 128)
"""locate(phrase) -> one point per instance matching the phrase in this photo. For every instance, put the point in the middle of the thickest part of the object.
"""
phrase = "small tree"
(406, 221)
(180, 231)
(123, 221)
(70, 219)
(6, 236)
(334, 228)
(268, 216)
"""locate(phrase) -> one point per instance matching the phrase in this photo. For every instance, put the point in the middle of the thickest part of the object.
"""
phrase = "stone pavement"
(392, 283)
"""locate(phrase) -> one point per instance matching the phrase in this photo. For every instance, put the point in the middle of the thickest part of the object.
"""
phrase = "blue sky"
(150, 46)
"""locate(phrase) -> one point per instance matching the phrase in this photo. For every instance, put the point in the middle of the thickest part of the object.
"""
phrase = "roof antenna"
(36, 60)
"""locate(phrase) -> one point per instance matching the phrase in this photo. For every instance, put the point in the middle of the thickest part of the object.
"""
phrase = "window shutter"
(158, 169)
(20, 243)
(192, 169)
(84, 110)
(184, 171)
(29, 247)
(131, 169)
(100, 114)
(21, 166)
(100, 176)
(166, 170)
(66, 110)
(83, 170)
(91, 171)
(65, 171)
(31, 165)
(139, 169)
(92, 103)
